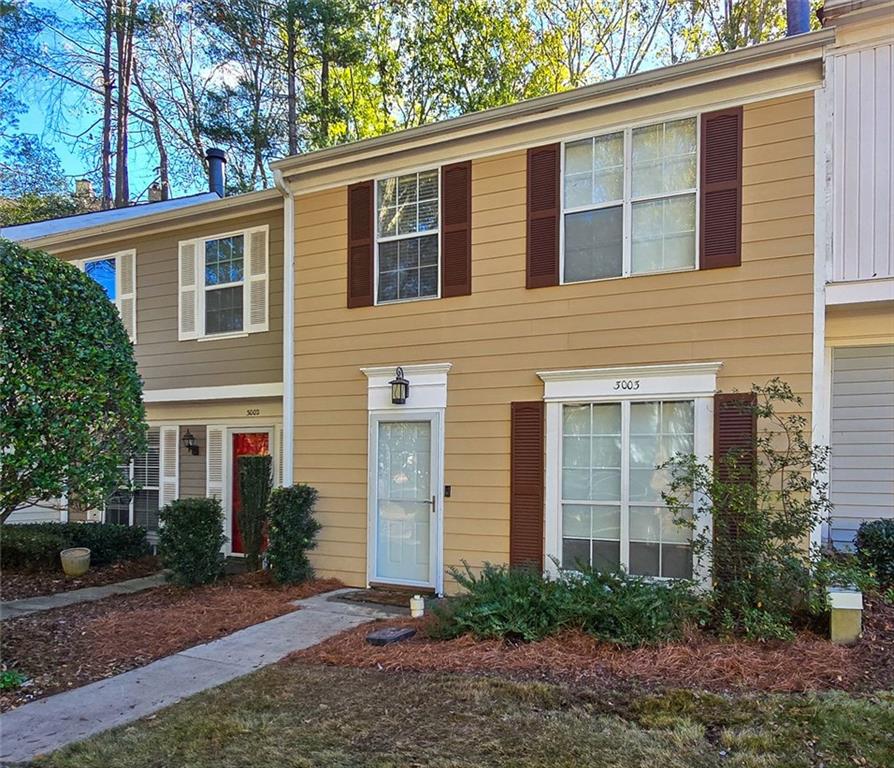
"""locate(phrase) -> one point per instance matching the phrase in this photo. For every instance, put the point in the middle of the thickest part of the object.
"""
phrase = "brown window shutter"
(543, 216)
(456, 229)
(361, 242)
(735, 436)
(720, 243)
(526, 485)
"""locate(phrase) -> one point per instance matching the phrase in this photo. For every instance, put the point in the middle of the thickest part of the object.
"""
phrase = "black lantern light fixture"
(190, 443)
(400, 388)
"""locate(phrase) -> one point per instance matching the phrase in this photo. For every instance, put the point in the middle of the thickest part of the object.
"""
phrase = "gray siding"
(192, 468)
(862, 438)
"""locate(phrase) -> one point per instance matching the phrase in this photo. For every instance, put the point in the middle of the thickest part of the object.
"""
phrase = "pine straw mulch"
(79, 644)
(16, 585)
(809, 663)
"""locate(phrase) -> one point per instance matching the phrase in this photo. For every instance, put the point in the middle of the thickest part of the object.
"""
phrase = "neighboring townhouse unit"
(566, 285)
(855, 269)
(199, 284)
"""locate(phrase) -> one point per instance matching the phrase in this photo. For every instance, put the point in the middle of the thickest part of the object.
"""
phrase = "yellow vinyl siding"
(756, 319)
(166, 363)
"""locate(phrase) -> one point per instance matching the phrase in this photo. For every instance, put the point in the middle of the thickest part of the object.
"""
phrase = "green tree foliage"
(757, 551)
(71, 408)
(292, 533)
(263, 78)
(255, 482)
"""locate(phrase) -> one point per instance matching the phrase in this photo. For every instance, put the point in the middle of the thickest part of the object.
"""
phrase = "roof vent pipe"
(797, 14)
(217, 161)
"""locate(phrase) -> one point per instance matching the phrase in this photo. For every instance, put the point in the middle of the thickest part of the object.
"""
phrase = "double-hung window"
(224, 291)
(407, 237)
(115, 273)
(629, 201)
(223, 285)
(611, 511)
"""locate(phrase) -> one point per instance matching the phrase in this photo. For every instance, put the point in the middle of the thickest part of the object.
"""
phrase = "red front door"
(244, 444)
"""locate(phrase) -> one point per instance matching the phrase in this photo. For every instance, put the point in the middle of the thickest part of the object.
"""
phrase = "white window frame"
(392, 238)
(689, 381)
(200, 287)
(627, 201)
(82, 265)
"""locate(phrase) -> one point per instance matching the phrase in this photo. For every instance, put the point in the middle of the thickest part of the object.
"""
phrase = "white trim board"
(428, 386)
(860, 291)
(634, 382)
(224, 392)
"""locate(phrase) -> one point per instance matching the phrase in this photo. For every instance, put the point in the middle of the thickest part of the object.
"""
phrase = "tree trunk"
(126, 11)
(164, 177)
(107, 85)
(324, 100)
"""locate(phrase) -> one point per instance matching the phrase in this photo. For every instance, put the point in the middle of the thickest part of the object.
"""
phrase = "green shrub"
(875, 549)
(255, 481)
(764, 502)
(190, 538)
(37, 545)
(520, 604)
(837, 569)
(30, 547)
(292, 532)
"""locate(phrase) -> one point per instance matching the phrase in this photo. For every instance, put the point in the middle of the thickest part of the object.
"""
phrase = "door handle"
(433, 502)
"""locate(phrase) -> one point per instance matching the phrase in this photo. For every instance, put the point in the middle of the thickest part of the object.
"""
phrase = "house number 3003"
(632, 384)
(253, 412)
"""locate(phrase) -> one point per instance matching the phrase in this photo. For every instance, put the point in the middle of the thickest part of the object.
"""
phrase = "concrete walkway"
(48, 724)
(12, 609)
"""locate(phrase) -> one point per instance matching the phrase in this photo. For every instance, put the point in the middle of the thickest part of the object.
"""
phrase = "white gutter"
(288, 332)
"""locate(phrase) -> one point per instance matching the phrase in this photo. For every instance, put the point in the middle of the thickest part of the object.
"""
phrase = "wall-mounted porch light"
(190, 443)
(400, 388)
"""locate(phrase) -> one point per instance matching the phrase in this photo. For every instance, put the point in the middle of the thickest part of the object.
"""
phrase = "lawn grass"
(294, 715)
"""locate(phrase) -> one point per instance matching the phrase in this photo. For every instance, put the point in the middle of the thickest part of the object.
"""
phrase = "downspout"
(288, 331)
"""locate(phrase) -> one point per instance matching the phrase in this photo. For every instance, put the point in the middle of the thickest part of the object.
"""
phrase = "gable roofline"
(788, 51)
(71, 232)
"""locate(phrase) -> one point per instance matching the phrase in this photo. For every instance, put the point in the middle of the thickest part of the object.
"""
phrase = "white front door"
(405, 498)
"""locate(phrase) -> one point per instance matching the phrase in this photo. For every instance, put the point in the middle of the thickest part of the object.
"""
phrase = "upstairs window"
(115, 273)
(224, 285)
(224, 281)
(407, 237)
(629, 202)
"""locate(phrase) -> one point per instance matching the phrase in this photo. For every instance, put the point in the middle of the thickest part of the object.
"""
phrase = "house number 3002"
(632, 384)
(253, 412)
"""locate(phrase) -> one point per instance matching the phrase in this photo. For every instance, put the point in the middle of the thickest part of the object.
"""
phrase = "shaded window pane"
(593, 244)
(145, 509)
(676, 561)
(606, 555)
(223, 310)
(103, 273)
(575, 553)
(644, 559)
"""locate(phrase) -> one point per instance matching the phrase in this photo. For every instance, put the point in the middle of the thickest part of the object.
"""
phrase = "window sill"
(632, 274)
(405, 301)
(222, 336)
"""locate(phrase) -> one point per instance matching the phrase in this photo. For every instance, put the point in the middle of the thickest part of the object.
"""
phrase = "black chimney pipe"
(797, 16)
(217, 161)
